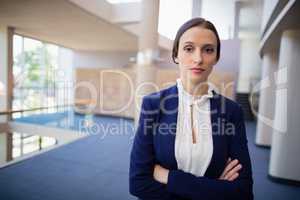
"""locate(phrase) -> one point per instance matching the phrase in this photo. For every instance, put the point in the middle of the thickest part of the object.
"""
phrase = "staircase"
(243, 100)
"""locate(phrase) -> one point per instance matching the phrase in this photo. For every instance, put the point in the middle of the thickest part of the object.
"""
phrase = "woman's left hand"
(161, 174)
(231, 170)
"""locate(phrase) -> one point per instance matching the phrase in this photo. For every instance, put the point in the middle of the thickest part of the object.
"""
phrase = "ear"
(176, 59)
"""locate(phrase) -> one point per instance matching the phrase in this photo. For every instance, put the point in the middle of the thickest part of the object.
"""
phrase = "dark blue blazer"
(155, 141)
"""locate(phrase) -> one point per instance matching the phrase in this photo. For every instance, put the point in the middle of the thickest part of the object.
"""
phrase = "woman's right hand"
(230, 172)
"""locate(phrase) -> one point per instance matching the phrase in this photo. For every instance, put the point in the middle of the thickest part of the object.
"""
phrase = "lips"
(197, 70)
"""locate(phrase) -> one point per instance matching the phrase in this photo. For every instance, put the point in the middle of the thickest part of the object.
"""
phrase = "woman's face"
(197, 54)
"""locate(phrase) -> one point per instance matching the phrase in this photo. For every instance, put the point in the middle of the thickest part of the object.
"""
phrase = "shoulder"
(231, 104)
(230, 107)
(154, 99)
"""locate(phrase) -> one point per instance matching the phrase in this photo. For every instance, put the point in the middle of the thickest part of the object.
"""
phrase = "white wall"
(221, 14)
(250, 63)
(96, 59)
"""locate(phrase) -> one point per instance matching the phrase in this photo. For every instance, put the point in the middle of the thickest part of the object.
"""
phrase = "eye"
(188, 48)
(209, 50)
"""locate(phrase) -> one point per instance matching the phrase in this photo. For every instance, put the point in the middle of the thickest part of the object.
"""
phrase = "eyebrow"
(205, 45)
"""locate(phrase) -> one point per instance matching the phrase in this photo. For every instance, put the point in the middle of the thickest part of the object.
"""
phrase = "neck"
(197, 89)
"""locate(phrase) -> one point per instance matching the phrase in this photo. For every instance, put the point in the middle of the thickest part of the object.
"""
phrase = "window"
(37, 75)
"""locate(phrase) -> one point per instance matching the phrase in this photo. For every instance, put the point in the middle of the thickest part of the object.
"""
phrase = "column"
(196, 8)
(265, 116)
(285, 159)
(6, 81)
(6, 64)
(237, 10)
(250, 64)
(148, 51)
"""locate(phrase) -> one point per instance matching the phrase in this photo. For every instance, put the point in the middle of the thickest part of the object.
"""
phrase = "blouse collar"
(190, 99)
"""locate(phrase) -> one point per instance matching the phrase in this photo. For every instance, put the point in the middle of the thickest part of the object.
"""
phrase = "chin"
(197, 79)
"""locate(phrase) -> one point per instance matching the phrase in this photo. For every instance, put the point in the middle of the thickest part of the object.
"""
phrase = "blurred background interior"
(72, 73)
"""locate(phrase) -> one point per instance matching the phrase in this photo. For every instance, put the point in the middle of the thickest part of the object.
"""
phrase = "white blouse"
(192, 157)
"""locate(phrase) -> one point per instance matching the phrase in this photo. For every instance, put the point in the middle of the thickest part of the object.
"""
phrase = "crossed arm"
(151, 181)
(230, 173)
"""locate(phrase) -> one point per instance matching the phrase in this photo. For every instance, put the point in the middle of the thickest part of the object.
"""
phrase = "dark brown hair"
(201, 22)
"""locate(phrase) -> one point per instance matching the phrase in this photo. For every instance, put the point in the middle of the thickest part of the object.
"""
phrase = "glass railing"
(19, 146)
(64, 117)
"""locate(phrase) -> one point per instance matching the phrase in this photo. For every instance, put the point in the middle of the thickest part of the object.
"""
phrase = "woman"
(190, 141)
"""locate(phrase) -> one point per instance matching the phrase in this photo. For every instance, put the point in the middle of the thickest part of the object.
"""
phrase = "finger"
(233, 177)
(225, 170)
(223, 173)
(231, 165)
(228, 160)
(233, 171)
(228, 168)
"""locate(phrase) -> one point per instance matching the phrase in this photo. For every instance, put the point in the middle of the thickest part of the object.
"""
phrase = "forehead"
(199, 36)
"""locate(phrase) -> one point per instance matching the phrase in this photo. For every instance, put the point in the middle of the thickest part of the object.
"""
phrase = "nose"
(197, 57)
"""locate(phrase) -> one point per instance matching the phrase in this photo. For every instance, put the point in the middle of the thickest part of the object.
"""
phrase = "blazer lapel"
(217, 163)
(168, 116)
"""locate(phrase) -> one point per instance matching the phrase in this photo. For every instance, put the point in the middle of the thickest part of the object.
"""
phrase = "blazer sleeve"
(190, 186)
(142, 158)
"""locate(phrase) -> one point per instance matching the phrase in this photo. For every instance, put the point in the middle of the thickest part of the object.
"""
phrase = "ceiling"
(64, 23)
